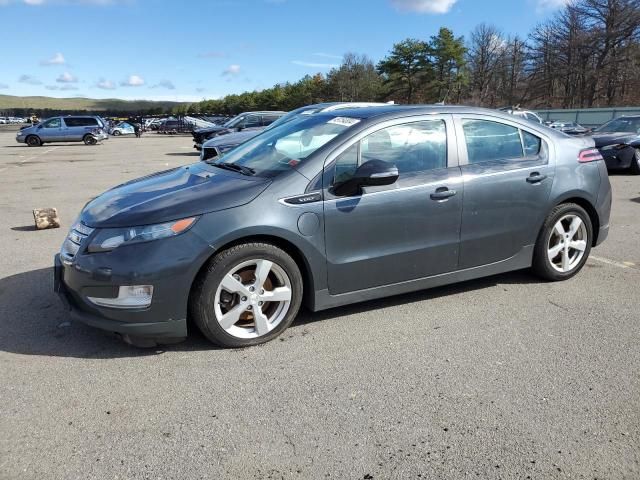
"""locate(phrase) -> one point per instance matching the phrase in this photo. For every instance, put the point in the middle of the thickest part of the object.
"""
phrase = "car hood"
(216, 128)
(608, 138)
(235, 138)
(170, 195)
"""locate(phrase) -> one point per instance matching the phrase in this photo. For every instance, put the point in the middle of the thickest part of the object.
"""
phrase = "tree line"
(586, 55)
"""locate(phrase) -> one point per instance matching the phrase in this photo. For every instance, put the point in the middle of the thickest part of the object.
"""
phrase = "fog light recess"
(129, 296)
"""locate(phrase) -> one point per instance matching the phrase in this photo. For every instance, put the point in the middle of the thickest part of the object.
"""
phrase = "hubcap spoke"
(578, 245)
(263, 267)
(280, 294)
(575, 225)
(566, 260)
(554, 251)
(261, 322)
(559, 228)
(230, 318)
(231, 285)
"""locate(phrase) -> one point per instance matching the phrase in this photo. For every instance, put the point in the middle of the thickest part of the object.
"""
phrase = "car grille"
(73, 242)
(209, 153)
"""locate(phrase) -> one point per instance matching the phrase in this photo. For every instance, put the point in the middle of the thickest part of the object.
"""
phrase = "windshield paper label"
(346, 121)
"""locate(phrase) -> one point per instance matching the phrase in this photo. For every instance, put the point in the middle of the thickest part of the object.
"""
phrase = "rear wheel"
(248, 294)
(564, 243)
(34, 141)
(89, 140)
(635, 163)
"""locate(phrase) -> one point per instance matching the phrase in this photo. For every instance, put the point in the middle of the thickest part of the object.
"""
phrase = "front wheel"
(89, 140)
(564, 243)
(634, 169)
(248, 294)
(116, 133)
(34, 141)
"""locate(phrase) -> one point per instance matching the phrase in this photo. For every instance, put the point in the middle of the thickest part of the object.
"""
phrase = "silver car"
(63, 129)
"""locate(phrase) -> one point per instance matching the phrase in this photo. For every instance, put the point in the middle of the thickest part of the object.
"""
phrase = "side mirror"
(39, 127)
(373, 173)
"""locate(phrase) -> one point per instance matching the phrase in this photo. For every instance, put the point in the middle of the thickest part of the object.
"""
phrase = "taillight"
(589, 155)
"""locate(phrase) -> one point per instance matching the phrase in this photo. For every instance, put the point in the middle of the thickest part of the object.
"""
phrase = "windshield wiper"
(234, 167)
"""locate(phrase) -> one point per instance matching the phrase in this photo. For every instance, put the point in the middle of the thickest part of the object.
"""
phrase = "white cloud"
(57, 59)
(168, 84)
(106, 84)
(30, 79)
(544, 5)
(424, 6)
(231, 70)
(66, 77)
(37, 3)
(327, 55)
(63, 87)
(133, 81)
(314, 65)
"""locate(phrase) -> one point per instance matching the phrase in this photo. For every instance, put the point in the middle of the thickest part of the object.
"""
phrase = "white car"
(122, 128)
(526, 114)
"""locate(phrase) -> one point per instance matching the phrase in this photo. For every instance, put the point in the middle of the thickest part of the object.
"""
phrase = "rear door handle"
(442, 193)
(536, 177)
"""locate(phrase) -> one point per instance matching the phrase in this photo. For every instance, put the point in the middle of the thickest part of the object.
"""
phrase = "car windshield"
(621, 125)
(293, 115)
(234, 121)
(284, 147)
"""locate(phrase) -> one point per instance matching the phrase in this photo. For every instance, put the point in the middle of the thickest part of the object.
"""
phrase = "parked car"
(526, 114)
(173, 126)
(570, 128)
(619, 143)
(244, 121)
(223, 143)
(122, 128)
(331, 209)
(3, 120)
(63, 129)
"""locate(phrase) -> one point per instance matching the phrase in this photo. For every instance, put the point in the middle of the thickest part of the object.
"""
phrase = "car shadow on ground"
(34, 322)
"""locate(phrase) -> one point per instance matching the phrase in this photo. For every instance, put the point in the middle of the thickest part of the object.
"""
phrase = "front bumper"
(170, 265)
(20, 139)
(78, 311)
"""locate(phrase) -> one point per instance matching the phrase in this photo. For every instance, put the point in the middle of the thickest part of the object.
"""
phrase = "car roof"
(407, 110)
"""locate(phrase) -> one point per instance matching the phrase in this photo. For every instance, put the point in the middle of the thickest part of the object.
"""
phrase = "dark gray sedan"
(331, 209)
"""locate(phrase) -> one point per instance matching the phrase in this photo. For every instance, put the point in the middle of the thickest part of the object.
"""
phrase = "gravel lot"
(505, 377)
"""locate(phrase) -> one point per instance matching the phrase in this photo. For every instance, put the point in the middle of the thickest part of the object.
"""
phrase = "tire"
(211, 302)
(553, 267)
(33, 141)
(634, 169)
(116, 133)
(89, 140)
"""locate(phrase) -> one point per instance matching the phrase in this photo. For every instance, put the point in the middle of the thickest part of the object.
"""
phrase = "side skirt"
(324, 300)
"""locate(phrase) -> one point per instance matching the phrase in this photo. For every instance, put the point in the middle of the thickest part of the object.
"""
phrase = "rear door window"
(487, 141)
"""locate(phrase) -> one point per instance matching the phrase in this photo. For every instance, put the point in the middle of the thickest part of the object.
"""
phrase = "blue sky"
(195, 49)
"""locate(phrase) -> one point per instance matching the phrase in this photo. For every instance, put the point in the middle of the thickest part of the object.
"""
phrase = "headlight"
(109, 238)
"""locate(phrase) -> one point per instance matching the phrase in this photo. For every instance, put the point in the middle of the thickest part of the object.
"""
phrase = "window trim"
(453, 154)
(525, 160)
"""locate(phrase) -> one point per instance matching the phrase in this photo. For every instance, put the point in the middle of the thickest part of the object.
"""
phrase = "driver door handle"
(442, 193)
(535, 177)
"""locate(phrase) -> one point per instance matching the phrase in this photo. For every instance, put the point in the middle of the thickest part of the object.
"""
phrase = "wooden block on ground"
(46, 218)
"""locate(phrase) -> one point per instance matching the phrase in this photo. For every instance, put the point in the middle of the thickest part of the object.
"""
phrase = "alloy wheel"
(567, 243)
(253, 298)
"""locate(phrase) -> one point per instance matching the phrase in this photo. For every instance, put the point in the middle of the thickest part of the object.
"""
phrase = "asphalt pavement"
(504, 377)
